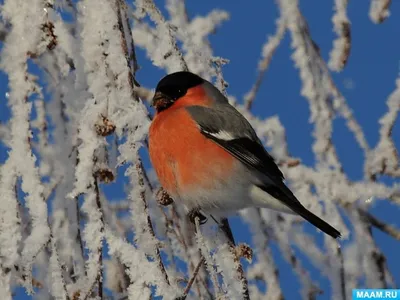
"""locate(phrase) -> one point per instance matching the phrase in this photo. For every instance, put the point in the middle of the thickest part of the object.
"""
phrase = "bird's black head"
(172, 87)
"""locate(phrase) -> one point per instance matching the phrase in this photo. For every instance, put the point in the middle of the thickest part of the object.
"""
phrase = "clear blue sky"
(372, 68)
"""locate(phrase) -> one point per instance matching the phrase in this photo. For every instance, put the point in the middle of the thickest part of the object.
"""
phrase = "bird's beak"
(161, 100)
(157, 97)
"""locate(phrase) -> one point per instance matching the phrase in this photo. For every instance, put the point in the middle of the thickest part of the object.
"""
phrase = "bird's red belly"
(183, 158)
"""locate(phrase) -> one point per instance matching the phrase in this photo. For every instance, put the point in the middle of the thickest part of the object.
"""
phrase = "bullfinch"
(208, 157)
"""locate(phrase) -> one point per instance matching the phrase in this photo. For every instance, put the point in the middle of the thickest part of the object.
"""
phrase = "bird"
(208, 157)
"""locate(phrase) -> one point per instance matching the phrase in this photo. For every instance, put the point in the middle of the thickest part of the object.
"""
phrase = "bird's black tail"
(283, 194)
(316, 221)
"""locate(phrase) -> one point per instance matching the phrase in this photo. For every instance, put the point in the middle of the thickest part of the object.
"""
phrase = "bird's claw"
(195, 213)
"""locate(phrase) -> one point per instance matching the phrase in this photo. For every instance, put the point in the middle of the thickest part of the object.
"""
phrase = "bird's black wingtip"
(323, 226)
(336, 235)
(282, 193)
(317, 222)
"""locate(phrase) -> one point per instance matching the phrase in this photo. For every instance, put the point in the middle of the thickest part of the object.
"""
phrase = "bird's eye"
(173, 92)
(177, 93)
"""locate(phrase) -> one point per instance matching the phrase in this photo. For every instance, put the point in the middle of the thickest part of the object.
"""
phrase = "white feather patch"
(222, 135)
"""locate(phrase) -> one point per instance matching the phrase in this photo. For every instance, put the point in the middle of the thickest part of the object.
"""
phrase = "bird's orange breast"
(182, 157)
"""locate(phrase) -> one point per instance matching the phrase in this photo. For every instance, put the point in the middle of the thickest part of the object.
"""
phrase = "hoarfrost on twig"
(79, 121)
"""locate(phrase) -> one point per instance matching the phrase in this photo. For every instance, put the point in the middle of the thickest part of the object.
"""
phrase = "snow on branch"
(21, 162)
(268, 51)
(167, 47)
(136, 262)
(384, 158)
(379, 10)
(318, 87)
(82, 215)
(342, 45)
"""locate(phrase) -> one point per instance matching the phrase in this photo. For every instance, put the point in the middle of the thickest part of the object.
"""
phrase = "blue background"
(373, 66)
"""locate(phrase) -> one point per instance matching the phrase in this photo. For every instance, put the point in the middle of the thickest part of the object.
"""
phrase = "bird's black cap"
(175, 85)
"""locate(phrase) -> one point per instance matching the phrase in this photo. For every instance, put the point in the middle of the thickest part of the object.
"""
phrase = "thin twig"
(54, 248)
(268, 51)
(379, 10)
(386, 228)
(342, 273)
(342, 44)
(123, 10)
(375, 254)
(224, 225)
(124, 45)
(207, 256)
(157, 17)
(190, 283)
(181, 238)
(140, 170)
(101, 267)
(99, 278)
(78, 237)
(226, 228)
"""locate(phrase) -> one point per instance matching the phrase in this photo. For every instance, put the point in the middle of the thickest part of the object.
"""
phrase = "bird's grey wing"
(225, 126)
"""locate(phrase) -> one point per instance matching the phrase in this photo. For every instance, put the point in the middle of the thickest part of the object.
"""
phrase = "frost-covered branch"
(21, 162)
(225, 227)
(168, 49)
(267, 52)
(384, 158)
(82, 215)
(379, 10)
(342, 45)
(382, 226)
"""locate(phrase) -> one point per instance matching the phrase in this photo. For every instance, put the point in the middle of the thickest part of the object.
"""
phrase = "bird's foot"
(195, 213)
